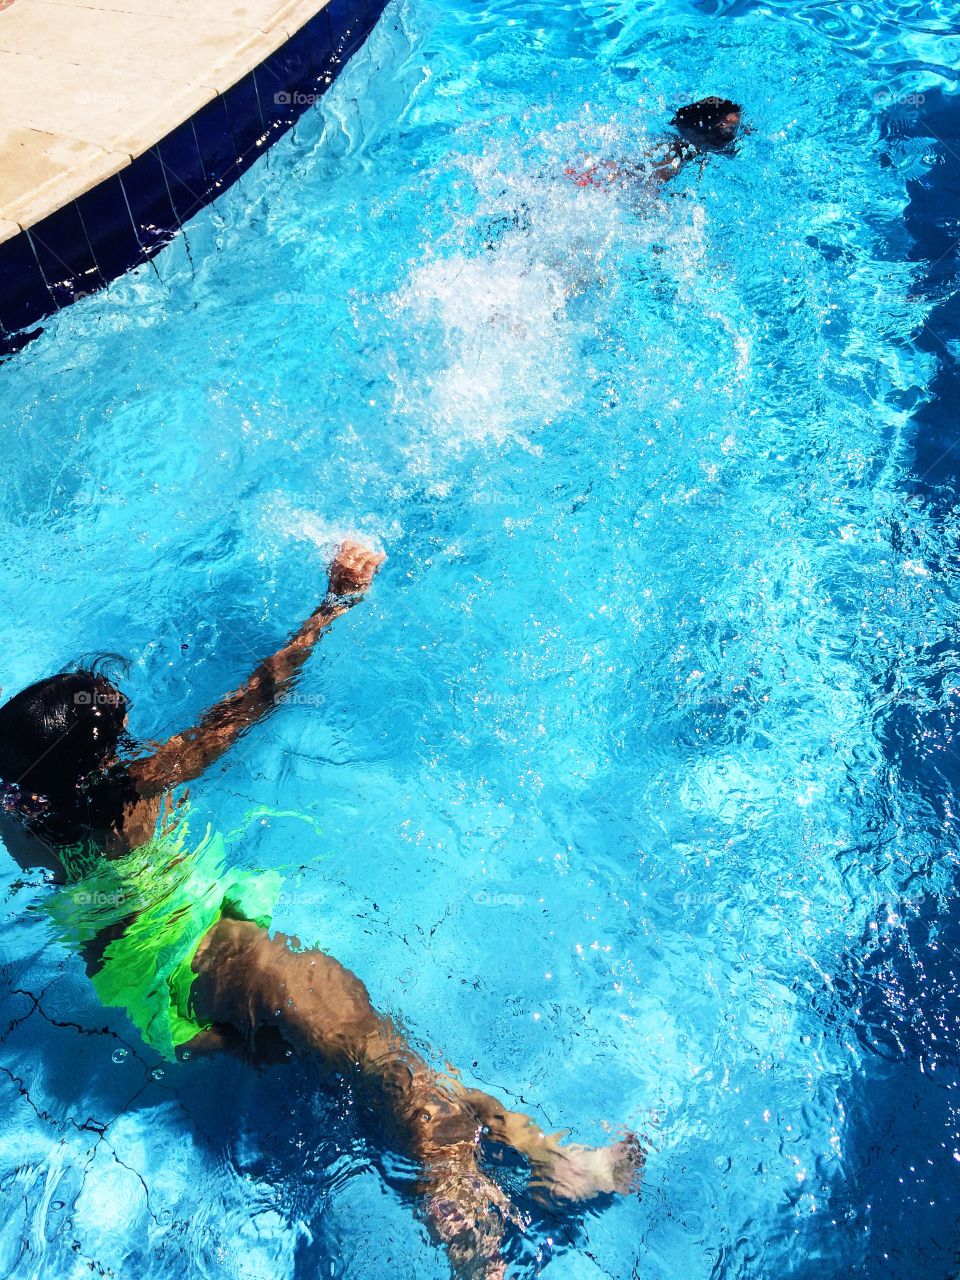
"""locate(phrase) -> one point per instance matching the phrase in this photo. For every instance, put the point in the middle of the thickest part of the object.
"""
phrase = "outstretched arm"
(186, 755)
(659, 167)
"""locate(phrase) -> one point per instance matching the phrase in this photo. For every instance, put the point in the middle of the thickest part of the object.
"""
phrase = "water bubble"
(120, 1055)
(157, 1073)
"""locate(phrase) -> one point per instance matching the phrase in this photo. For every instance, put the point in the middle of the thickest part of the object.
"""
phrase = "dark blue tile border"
(148, 200)
(246, 120)
(65, 255)
(24, 297)
(183, 171)
(109, 226)
(218, 149)
(128, 218)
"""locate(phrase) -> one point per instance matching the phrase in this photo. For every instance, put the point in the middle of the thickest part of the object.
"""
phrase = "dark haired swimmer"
(707, 127)
(181, 943)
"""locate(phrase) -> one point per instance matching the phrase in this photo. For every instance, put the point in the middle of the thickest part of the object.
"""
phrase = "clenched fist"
(353, 568)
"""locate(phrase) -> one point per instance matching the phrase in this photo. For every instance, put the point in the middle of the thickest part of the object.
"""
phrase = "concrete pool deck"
(121, 119)
(87, 86)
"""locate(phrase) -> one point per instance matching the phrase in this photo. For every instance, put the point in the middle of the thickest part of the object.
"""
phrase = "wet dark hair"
(704, 123)
(59, 743)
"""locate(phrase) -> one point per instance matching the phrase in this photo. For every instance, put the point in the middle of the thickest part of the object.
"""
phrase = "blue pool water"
(629, 788)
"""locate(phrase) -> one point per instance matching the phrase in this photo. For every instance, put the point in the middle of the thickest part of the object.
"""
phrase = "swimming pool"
(628, 787)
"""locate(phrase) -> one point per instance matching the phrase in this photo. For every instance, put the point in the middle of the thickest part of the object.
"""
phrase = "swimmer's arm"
(186, 755)
(659, 167)
(667, 166)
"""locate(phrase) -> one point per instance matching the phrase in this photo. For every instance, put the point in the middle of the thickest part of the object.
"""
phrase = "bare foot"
(353, 568)
(576, 1172)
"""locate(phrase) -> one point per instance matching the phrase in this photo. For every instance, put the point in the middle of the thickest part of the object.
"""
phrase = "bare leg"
(250, 981)
(467, 1213)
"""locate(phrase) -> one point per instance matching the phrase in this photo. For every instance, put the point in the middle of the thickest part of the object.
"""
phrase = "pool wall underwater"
(906, 992)
(129, 217)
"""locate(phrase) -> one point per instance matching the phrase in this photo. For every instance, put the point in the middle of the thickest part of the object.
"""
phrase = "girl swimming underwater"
(183, 945)
(704, 128)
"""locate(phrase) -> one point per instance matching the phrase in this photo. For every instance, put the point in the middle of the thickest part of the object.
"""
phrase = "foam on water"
(499, 325)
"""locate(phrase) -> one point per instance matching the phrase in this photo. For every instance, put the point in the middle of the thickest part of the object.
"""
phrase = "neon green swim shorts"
(167, 897)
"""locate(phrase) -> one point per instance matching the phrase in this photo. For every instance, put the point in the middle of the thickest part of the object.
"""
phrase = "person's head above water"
(59, 745)
(710, 124)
